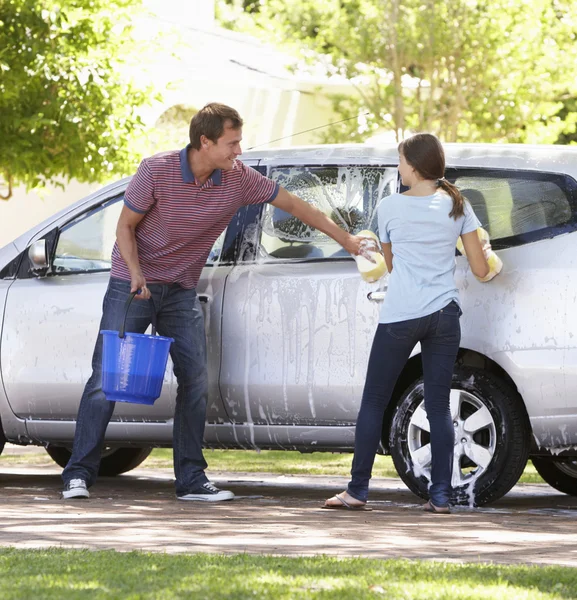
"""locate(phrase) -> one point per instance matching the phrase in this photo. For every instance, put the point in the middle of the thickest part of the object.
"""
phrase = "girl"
(418, 230)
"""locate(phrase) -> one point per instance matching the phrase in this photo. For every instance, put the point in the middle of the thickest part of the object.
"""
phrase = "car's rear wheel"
(491, 437)
(558, 473)
(114, 460)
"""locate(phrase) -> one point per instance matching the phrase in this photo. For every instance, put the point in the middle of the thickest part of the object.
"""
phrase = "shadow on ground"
(281, 515)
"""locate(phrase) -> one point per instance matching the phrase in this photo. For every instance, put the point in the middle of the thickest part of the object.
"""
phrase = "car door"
(298, 323)
(522, 320)
(51, 323)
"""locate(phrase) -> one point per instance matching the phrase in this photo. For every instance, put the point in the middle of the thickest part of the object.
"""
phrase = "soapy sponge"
(371, 271)
(495, 263)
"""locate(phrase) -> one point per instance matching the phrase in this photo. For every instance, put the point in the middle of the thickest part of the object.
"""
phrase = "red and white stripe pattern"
(183, 219)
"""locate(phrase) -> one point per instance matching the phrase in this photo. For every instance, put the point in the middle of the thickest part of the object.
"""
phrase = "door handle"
(203, 298)
(376, 296)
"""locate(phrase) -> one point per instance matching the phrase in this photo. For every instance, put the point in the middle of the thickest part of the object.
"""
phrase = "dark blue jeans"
(440, 335)
(178, 316)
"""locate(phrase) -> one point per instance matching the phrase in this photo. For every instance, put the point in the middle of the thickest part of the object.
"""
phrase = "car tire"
(114, 460)
(492, 437)
(560, 474)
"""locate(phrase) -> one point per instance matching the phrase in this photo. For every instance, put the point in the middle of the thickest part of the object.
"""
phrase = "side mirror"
(38, 255)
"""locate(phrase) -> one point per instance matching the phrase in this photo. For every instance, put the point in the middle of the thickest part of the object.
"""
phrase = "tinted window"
(348, 195)
(516, 206)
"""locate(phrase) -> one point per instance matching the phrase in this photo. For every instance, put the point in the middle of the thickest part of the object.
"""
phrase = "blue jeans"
(440, 335)
(178, 316)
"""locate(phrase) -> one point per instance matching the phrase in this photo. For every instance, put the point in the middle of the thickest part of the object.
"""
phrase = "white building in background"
(203, 63)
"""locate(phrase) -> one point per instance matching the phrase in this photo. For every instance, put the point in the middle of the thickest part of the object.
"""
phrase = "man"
(175, 207)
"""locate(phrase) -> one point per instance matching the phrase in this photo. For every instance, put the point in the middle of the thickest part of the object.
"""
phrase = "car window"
(514, 206)
(85, 244)
(348, 195)
(216, 250)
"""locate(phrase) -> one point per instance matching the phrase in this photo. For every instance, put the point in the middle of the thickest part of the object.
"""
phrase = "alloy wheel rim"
(568, 467)
(475, 439)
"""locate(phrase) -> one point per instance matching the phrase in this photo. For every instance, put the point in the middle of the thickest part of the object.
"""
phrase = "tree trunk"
(399, 112)
(430, 68)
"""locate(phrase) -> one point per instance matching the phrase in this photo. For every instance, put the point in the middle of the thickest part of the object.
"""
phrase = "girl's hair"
(425, 154)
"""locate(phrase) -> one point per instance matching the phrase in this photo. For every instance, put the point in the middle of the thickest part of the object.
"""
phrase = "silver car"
(289, 323)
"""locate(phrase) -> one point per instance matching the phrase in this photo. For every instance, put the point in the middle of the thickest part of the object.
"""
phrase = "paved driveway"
(281, 515)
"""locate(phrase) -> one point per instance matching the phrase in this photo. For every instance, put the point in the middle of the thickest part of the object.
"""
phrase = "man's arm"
(315, 218)
(126, 238)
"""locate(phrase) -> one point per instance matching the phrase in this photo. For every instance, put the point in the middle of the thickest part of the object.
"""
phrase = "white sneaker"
(75, 488)
(207, 493)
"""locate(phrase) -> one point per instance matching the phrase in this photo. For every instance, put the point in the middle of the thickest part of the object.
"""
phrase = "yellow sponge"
(495, 263)
(371, 271)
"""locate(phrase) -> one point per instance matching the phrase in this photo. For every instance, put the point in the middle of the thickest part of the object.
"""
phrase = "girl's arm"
(475, 254)
(388, 252)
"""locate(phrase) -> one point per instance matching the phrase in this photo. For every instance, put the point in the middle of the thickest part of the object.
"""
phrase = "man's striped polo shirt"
(182, 218)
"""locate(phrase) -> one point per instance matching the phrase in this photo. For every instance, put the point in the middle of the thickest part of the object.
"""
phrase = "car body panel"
(305, 330)
(522, 320)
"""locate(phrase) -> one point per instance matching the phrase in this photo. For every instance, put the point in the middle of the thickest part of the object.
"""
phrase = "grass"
(82, 574)
(295, 463)
(284, 462)
(266, 461)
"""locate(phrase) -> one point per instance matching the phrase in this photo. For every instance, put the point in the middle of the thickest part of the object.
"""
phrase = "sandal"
(438, 510)
(344, 505)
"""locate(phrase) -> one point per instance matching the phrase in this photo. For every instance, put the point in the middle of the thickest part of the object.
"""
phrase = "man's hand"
(126, 237)
(137, 282)
(356, 245)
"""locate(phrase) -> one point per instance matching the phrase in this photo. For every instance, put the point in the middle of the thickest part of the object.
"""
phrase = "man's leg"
(95, 411)
(181, 318)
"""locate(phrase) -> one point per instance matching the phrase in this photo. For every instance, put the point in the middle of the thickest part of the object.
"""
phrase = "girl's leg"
(439, 351)
(391, 348)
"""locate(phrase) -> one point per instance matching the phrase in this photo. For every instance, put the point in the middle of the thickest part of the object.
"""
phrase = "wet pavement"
(275, 514)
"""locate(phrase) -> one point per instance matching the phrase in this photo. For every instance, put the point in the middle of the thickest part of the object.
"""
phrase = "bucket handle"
(130, 298)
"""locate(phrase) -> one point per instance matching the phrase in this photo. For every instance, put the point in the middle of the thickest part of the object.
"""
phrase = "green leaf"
(65, 90)
(467, 70)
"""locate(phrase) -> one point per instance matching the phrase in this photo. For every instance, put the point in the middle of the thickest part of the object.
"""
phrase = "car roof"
(551, 158)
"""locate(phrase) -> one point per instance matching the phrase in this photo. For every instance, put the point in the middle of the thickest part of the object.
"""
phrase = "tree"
(475, 70)
(67, 107)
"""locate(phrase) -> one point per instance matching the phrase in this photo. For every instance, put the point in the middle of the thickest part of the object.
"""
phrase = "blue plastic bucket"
(133, 364)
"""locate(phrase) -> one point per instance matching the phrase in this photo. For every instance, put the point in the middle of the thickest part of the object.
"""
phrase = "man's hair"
(211, 121)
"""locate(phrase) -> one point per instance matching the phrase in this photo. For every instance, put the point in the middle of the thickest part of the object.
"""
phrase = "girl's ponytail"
(458, 200)
(424, 152)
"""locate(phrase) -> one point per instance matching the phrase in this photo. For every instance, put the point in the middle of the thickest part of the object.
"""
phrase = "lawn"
(56, 574)
(295, 463)
(250, 461)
